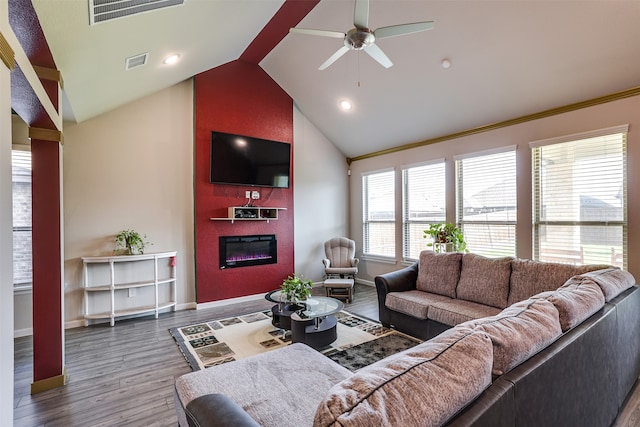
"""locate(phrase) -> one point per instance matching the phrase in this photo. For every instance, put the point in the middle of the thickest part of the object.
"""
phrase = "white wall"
(320, 196)
(597, 117)
(6, 239)
(130, 168)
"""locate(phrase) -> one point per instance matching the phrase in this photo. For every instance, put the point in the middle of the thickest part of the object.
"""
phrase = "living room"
(134, 167)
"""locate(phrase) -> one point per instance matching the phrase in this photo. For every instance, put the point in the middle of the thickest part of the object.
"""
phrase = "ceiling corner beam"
(7, 54)
(46, 135)
(628, 93)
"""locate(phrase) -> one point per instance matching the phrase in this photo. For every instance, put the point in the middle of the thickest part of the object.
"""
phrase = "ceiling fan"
(362, 38)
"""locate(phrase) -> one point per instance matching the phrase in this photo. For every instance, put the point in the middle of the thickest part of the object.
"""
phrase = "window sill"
(22, 289)
(379, 258)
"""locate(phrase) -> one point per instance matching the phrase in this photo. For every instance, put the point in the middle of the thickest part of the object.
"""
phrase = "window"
(378, 192)
(486, 202)
(423, 203)
(21, 189)
(580, 198)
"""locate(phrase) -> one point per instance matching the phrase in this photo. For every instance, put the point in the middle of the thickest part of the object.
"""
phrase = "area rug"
(360, 341)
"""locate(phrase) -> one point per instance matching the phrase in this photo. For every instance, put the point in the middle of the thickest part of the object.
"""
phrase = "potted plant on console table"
(130, 242)
(447, 237)
(295, 289)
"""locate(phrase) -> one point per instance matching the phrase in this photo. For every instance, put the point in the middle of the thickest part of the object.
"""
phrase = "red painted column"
(48, 314)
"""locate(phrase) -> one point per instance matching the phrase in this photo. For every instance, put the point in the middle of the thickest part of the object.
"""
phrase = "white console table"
(111, 285)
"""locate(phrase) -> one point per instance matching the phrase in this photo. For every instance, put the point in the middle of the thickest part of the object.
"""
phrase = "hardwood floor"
(124, 376)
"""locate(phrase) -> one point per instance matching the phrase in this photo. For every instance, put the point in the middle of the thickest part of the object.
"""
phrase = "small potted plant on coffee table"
(295, 289)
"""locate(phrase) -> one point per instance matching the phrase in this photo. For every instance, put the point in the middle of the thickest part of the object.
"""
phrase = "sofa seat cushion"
(484, 280)
(529, 277)
(519, 331)
(423, 386)
(612, 281)
(414, 303)
(439, 273)
(454, 312)
(575, 301)
(253, 382)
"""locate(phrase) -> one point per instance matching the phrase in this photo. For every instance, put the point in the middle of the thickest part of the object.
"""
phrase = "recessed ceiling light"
(172, 59)
(446, 63)
(346, 105)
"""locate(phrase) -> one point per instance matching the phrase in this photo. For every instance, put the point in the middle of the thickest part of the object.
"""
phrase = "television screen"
(243, 160)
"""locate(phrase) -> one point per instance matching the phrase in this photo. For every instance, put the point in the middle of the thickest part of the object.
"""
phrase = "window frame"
(536, 207)
(459, 196)
(366, 222)
(406, 198)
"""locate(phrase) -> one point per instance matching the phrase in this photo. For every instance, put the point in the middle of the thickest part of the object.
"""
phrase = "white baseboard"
(224, 302)
(18, 333)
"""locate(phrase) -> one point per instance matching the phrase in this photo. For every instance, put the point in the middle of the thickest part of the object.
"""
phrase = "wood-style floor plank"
(124, 376)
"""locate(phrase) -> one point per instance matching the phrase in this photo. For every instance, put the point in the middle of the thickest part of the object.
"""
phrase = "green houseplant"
(130, 242)
(447, 237)
(296, 289)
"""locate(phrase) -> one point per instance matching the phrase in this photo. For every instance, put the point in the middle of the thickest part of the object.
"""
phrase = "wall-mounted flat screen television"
(243, 160)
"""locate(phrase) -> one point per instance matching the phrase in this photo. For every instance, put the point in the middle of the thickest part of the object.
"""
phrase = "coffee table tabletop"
(320, 307)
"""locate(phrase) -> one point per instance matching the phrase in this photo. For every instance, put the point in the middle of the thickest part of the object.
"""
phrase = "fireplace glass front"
(244, 251)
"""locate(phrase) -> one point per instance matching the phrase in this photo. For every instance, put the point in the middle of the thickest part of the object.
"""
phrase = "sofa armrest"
(217, 410)
(397, 281)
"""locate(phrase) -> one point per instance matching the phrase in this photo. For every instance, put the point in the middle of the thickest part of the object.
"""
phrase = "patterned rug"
(360, 341)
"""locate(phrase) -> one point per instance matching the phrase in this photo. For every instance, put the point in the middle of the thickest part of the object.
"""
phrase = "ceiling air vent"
(135, 61)
(105, 10)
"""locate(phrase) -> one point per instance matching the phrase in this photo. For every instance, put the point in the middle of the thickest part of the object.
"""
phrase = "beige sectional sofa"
(444, 290)
(559, 357)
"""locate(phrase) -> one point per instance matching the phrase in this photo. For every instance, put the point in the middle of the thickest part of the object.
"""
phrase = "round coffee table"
(315, 325)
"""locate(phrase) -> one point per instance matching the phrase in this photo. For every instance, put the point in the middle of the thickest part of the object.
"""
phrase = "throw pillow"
(612, 281)
(423, 386)
(576, 300)
(484, 280)
(519, 332)
(530, 277)
(439, 273)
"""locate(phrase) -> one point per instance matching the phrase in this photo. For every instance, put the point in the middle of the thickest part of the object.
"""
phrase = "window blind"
(423, 203)
(378, 190)
(22, 236)
(580, 199)
(486, 202)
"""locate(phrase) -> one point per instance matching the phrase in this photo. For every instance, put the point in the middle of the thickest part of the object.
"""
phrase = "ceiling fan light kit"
(362, 38)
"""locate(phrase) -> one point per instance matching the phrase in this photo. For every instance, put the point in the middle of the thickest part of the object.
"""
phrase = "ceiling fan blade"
(376, 53)
(333, 58)
(322, 33)
(399, 30)
(361, 14)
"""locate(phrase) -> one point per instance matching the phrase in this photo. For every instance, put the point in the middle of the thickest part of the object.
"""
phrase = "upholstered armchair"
(340, 261)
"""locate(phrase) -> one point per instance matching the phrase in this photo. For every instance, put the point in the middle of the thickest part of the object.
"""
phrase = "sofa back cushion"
(439, 273)
(530, 277)
(484, 280)
(612, 281)
(575, 301)
(519, 331)
(425, 385)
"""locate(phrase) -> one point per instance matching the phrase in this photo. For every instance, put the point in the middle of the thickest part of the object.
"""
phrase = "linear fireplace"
(243, 251)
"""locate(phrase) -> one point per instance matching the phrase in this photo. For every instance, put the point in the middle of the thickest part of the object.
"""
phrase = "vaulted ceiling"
(507, 59)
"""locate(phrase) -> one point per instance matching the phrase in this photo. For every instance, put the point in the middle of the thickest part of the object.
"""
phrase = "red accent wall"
(239, 97)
